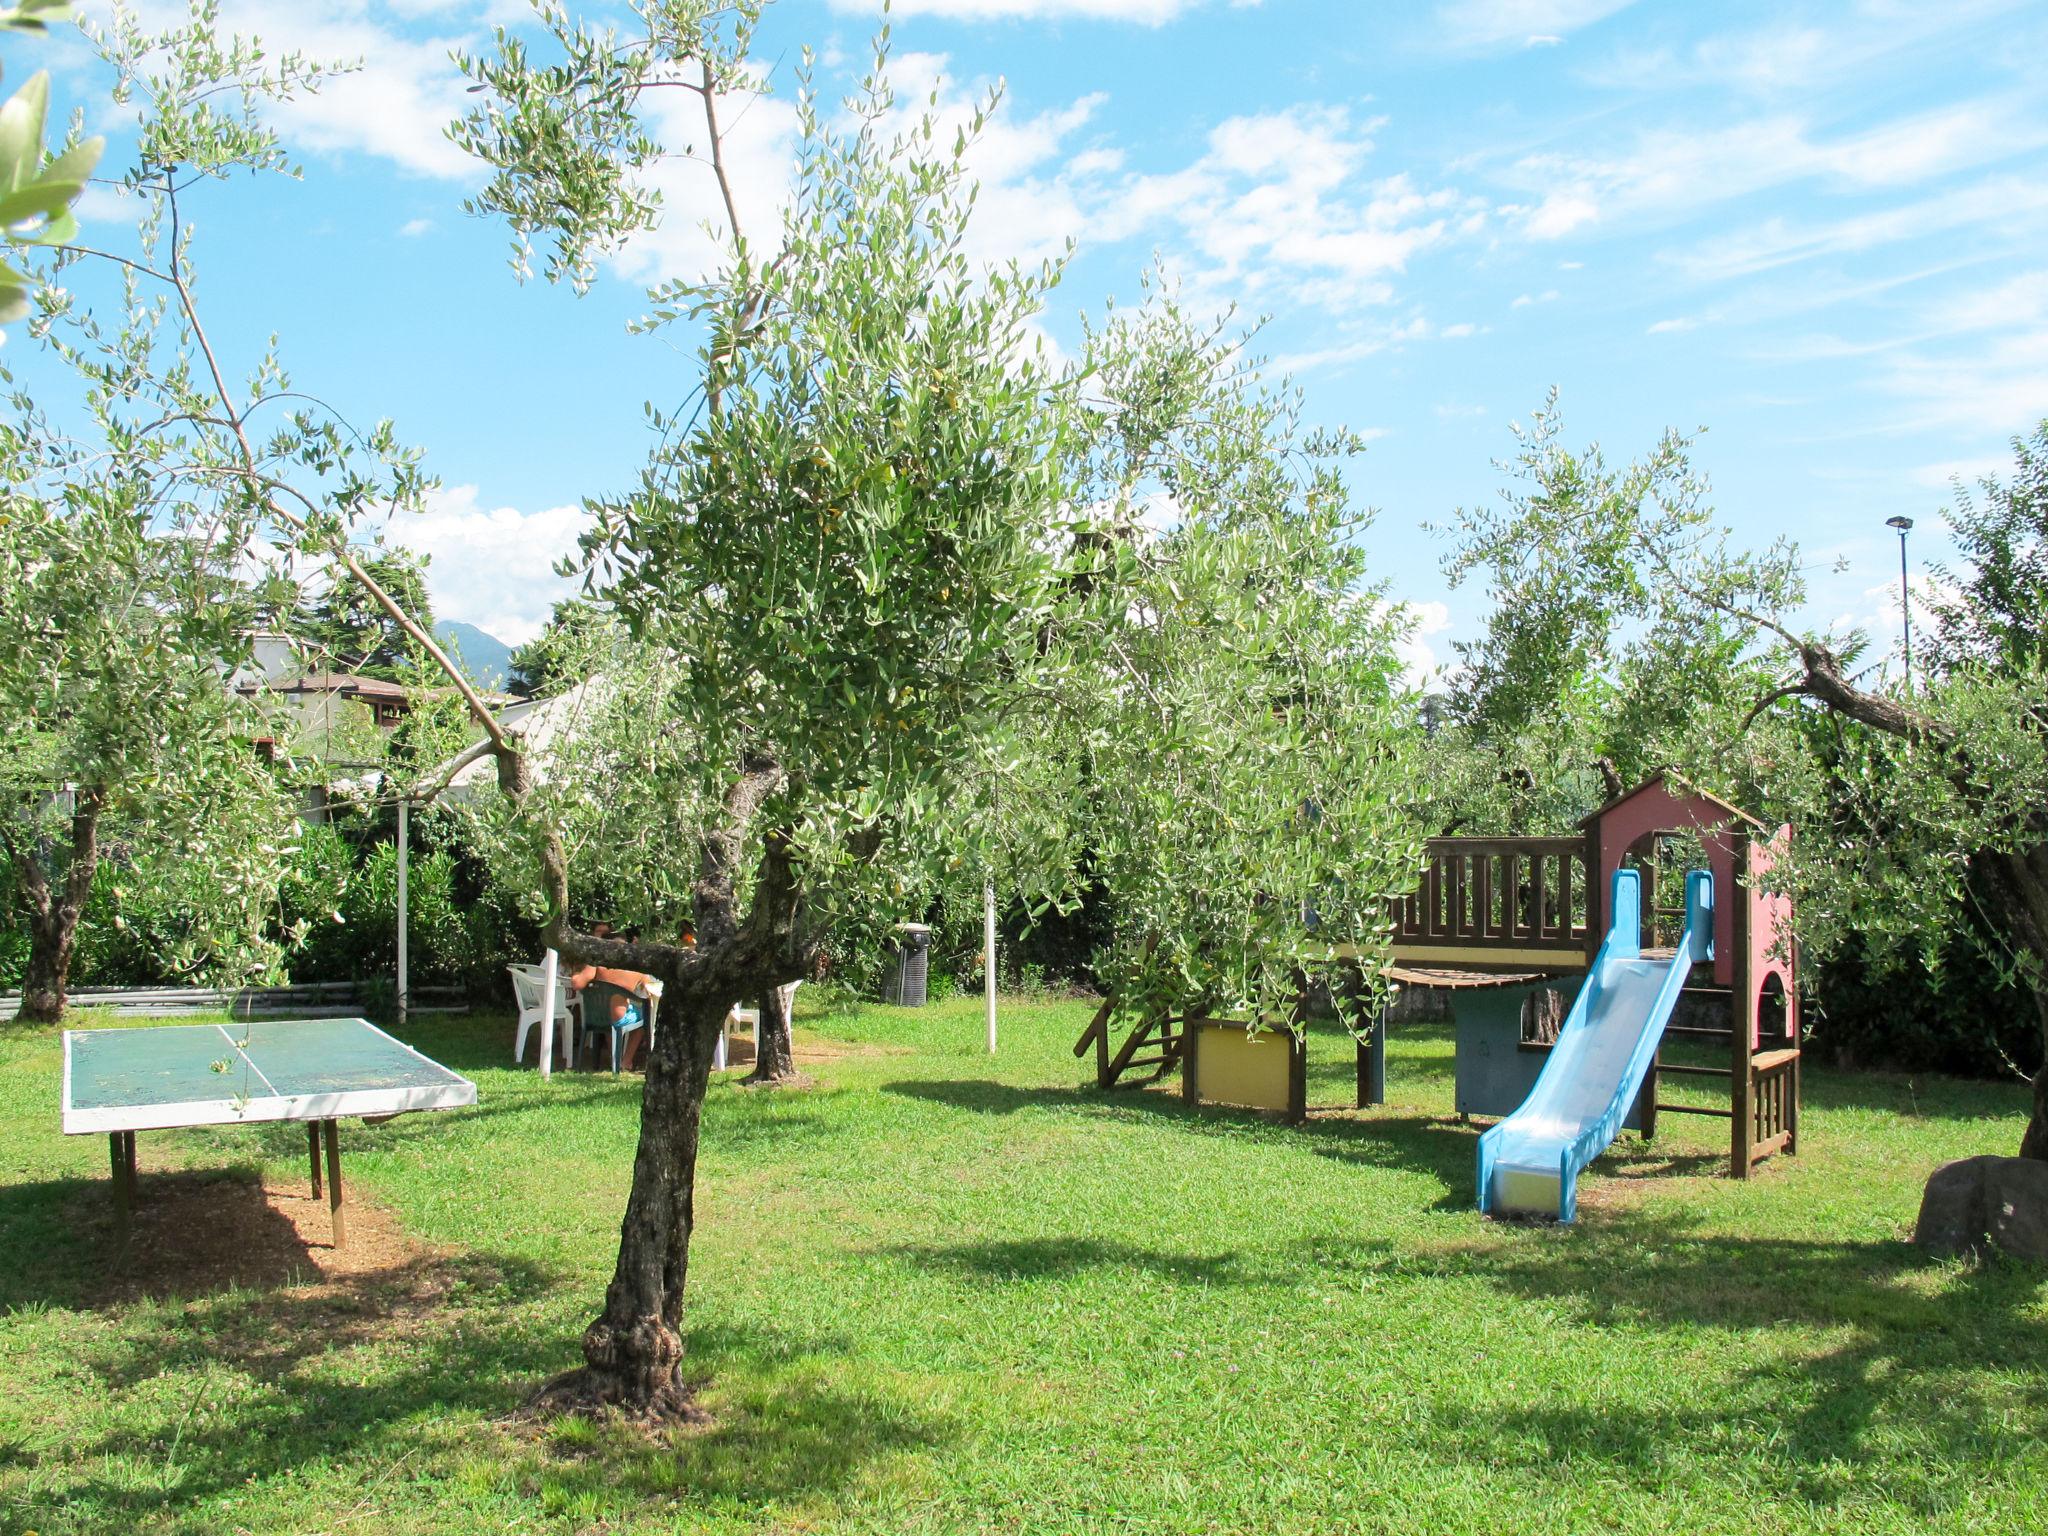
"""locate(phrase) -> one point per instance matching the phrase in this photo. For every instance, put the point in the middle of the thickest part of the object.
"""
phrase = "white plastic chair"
(529, 983)
(737, 1019)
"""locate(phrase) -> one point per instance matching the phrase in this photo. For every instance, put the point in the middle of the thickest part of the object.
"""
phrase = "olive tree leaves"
(36, 191)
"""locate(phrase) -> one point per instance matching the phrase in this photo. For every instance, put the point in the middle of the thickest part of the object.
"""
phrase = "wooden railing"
(1496, 896)
(1774, 1103)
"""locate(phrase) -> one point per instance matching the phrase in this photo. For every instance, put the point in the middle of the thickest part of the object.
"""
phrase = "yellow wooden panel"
(1250, 1071)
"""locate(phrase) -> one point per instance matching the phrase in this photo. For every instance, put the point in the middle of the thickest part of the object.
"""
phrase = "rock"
(1978, 1203)
(2016, 1195)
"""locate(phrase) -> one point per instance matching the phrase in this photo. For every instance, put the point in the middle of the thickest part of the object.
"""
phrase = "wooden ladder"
(1166, 1032)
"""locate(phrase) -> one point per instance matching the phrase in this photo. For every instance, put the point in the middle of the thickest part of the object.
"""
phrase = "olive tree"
(1905, 805)
(906, 615)
(114, 718)
(153, 516)
(36, 191)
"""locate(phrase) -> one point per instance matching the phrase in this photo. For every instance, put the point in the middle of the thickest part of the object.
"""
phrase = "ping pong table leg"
(334, 1184)
(313, 1148)
(118, 1143)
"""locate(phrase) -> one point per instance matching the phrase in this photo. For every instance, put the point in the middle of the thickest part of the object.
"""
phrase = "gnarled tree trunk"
(44, 982)
(776, 1060)
(54, 909)
(633, 1352)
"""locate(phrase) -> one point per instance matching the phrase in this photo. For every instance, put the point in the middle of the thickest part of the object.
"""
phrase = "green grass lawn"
(937, 1292)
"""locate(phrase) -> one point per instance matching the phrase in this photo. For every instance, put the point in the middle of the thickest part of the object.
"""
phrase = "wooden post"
(1372, 1062)
(334, 1185)
(123, 1171)
(1191, 1059)
(1596, 896)
(1792, 1109)
(1297, 1076)
(313, 1148)
(1742, 1005)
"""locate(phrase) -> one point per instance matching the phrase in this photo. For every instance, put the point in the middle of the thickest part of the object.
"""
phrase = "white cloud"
(2009, 205)
(412, 229)
(394, 106)
(1370, 340)
(1941, 476)
(1490, 23)
(1276, 205)
(1280, 205)
(1452, 411)
(1147, 12)
(1875, 612)
(1668, 174)
(1420, 661)
(759, 136)
(1998, 385)
(491, 566)
(1524, 300)
(1665, 327)
(1461, 330)
(1792, 57)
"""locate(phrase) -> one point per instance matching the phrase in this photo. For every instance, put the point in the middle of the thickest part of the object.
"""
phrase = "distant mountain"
(486, 658)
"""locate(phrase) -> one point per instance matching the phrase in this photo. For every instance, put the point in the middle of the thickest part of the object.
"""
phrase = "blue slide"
(1529, 1163)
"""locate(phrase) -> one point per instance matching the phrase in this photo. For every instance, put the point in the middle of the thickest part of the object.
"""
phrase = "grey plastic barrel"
(904, 983)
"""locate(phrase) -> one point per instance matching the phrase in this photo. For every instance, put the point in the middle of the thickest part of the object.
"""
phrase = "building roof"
(353, 684)
(1669, 780)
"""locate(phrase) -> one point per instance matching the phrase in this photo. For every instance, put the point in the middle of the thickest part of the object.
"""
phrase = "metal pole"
(1904, 525)
(1906, 608)
(404, 917)
(988, 951)
(550, 977)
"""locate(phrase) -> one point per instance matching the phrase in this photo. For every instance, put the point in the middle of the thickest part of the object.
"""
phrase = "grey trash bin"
(903, 983)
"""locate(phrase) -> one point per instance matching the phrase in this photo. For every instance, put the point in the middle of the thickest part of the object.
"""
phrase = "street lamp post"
(1904, 525)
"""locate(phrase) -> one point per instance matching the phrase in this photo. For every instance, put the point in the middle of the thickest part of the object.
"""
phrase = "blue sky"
(1814, 229)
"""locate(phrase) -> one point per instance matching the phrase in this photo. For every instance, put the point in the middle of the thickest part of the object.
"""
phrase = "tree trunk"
(49, 966)
(2034, 1143)
(54, 909)
(776, 1061)
(2017, 884)
(633, 1352)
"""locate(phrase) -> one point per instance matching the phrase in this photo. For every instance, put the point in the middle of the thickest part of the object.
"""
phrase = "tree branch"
(713, 898)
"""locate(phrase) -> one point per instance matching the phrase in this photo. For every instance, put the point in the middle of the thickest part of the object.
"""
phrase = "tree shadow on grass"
(1003, 1261)
(1918, 1096)
(1841, 1371)
(427, 1362)
(1945, 1358)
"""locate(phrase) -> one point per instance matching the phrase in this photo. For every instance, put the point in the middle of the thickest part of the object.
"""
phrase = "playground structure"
(1496, 921)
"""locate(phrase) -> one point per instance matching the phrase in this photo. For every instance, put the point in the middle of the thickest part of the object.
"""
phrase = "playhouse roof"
(1677, 787)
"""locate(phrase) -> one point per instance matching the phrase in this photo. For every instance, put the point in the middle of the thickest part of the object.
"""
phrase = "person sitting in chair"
(617, 999)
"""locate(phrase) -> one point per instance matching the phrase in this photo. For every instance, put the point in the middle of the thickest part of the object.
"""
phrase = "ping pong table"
(320, 1071)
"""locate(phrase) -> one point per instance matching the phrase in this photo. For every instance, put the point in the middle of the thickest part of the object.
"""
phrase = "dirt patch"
(195, 1232)
(818, 1048)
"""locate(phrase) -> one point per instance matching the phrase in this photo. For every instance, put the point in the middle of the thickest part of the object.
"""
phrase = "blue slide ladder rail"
(1623, 941)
